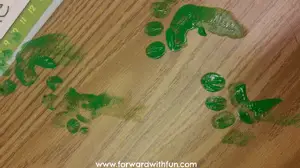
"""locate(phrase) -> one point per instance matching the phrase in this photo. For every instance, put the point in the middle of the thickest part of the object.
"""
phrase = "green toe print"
(53, 81)
(237, 94)
(215, 20)
(213, 82)
(73, 126)
(7, 87)
(84, 130)
(223, 120)
(156, 50)
(216, 103)
(237, 137)
(154, 28)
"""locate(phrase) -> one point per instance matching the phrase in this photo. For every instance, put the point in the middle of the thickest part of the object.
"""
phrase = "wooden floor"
(176, 125)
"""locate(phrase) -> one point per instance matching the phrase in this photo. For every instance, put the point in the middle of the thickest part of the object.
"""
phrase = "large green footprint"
(189, 17)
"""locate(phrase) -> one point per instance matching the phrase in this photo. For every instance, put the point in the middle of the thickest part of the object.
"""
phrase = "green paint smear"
(156, 50)
(84, 130)
(90, 102)
(7, 87)
(189, 17)
(154, 28)
(48, 101)
(238, 94)
(73, 126)
(83, 119)
(53, 81)
(160, 9)
(237, 137)
(262, 107)
(213, 82)
(216, 103)
(223, 120)
(285, 121)
(5, 55)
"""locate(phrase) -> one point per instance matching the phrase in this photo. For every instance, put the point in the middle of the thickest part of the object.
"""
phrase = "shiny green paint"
(216, 103)
(245, 116)
(73, 126)
(48, 101)
(189, 17)
(160, 9)
(156, 50)
(213, 82)
(7, 87)
(236, 137)
(261, 107)
(238, 94)
(154, 28)
(223, 120)
(53, 81)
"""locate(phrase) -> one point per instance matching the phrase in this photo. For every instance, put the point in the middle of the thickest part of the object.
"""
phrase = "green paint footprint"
(188, 17)
(248, 111)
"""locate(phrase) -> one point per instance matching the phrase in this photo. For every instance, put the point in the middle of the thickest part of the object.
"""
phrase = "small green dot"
(216, 103)
(84, 130)
(154, 28)
(156, 50)
(223, 120)
(73, 126)
(213, 82)
(160, 9)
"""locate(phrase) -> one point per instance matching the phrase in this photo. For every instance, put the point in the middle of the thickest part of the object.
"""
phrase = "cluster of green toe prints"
(189, 17)
(73, 118)
(248, 111)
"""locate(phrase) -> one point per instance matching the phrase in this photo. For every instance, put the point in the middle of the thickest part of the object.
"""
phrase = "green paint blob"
(48, 101)
(216, 103)
(160, 9)
(238, 94)
(189, 17)
(213, 82)
(223, 120)
(156, 50)
(83, 119)
(53, 81)
(201, 31)
(7, 87)
(154, 28)
(237, 137)
(262, 107)
(84, 130)
(245, 116)
(73, 126)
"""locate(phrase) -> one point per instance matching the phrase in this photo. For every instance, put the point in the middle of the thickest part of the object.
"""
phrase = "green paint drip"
(73, 126)
(238, 94)
(262, 107)
(189, 17)
(156, 50)
(7, 87)
(223, 120)
(237, 137)
(154, 28)
(213, 82)
(83, 119)
(160, 9)
(48, 101)
(84, 130)
(53, 81)
(216, 103)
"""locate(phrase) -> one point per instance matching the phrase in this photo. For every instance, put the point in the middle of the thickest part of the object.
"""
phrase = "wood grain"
(176, 125)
